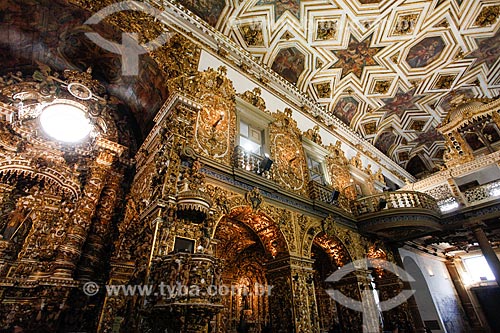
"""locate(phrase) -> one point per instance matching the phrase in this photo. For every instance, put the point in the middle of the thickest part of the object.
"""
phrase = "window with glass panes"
(251, 138)
(315, 170)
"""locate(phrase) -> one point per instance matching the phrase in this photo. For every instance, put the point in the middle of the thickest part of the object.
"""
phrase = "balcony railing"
(395, 200)
(482, 193)
(324, 193)
(249, 161)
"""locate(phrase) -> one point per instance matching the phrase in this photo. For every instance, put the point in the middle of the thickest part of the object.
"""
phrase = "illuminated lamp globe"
(65, 122)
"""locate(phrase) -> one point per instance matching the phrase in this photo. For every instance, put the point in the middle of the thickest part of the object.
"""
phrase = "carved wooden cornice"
(467, 113)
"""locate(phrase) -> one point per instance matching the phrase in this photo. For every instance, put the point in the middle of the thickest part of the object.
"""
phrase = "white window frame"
(317, 153)
(256, 119)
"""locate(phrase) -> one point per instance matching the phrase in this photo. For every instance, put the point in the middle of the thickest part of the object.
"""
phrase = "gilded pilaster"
(70, 252)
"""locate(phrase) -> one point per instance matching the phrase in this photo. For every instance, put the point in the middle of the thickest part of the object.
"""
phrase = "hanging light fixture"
(65, 121)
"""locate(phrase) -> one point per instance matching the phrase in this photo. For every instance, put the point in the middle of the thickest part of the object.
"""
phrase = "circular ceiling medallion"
(79, 91)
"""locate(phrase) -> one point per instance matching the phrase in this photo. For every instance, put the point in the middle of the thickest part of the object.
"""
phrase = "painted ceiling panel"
(386, 68)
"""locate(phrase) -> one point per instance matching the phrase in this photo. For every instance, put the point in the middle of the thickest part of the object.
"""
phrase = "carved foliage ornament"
(286, 147)
(216, 121)
(254, 97)
(213, 127)
(313, 135)
(254, 198)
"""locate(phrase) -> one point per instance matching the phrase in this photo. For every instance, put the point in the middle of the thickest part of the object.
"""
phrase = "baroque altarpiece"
(71, 215)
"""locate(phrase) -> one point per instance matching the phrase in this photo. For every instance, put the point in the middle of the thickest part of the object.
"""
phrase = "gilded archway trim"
(265, 228)
(64, 180)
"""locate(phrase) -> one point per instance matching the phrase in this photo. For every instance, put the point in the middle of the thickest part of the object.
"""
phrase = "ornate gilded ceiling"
(389, 69)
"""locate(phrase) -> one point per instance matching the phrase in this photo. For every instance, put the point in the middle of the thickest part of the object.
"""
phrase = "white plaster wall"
(443, 293)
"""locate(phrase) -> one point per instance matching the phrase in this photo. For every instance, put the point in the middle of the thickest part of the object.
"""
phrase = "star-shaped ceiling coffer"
(399, 104)
(356, 57)
(281, 6)
(374, 64)
(429, 138)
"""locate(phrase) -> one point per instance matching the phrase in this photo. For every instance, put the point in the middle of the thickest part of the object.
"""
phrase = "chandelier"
(65, 121)
(64, 109)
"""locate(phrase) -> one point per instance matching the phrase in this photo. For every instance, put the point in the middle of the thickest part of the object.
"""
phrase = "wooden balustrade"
(395, 200)
(324, 193)
(482, 193)
(249, 161)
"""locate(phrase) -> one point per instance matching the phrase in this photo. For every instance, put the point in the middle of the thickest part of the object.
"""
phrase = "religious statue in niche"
(15, 224)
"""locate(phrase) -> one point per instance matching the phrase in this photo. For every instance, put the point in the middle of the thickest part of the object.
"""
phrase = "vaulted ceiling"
(52, 33)
(387, 68)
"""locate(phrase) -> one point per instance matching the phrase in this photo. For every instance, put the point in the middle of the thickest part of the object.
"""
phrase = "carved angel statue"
(356, 161)
(313, 134)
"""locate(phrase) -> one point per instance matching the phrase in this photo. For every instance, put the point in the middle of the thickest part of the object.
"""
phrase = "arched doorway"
(247, 241)
(423, 297)
(329, 255)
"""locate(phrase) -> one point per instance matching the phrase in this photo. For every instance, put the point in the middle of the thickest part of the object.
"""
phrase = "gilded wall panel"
(215, 125)
(290, 167)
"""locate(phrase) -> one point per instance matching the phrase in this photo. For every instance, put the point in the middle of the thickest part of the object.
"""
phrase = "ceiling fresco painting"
(345, 109)
(282, 6)
(289, 63)
(425, 52)
(356, 57)
(209, 10)
(487, 51)
(401, 63)
(385, 141)
(399, 104)
(428, 138)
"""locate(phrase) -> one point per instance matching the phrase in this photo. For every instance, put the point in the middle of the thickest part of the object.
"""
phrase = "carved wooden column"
(418, 323)
(389, 286)
(304, 300)
(486, 248)
(113, 313)
(370, 313)
(350, 320)
(5, 191)
(95, 243)
(280, 300)
(470, 312)
(71, 250)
